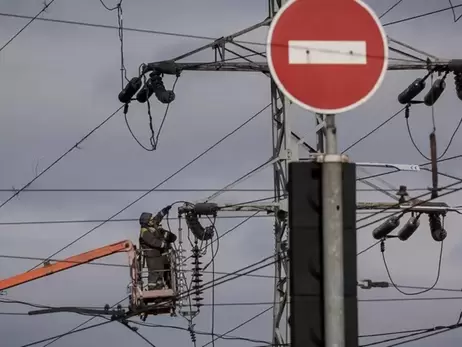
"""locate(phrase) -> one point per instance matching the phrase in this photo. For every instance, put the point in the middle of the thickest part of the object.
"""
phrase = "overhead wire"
(44, 8)
(416, 332)
(374, 130)
(79, 221)
(445, 150)
(225, 337)
(407, 19)
(416, 203)
(456, 19)
(240, 325)
(390, 9)
(173, 190)
(79, 329)
(201, 37)
(61, 157)
(438, 273)
(162, 182)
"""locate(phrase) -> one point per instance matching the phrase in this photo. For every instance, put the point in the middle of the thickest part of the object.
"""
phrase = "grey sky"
(58, 81)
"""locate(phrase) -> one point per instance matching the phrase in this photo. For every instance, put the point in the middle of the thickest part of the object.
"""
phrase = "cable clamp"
(333, 158)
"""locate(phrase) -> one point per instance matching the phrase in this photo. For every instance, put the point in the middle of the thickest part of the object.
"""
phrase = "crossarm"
(76, 260)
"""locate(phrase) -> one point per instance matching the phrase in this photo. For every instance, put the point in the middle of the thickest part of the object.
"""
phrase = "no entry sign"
(327, 56)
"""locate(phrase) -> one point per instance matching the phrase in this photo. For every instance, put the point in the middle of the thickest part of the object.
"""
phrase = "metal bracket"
(332, 158)
(400, 167)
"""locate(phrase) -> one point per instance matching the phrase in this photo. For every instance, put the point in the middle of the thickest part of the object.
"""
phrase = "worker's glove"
(166, 209)
(170, 237)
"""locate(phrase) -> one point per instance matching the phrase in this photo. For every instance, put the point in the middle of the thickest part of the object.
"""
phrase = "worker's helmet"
(145, 219)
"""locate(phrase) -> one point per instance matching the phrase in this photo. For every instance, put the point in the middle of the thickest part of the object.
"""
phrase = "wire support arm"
(442, 65)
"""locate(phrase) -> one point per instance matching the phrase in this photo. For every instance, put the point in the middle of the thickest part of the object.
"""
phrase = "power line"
(79, 329)
(417, 203)
(79, 221)
(199, 37)
(132, 190)
(62, 156)
(181, 190)
(390, 9)
(421, 15)
(456, 19)
(241, 325)
(411, 299)
(374, 130)
(162, 182)
(28, 23)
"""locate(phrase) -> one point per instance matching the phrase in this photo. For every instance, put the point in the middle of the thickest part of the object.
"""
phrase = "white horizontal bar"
(327, 52)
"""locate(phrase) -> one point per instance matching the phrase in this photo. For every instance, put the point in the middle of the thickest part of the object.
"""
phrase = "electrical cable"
(161, 183)
(438, 329)
(417, 203)
(45, 7)
(240, 325)
(438, 273)
(395, 332)
(108, 8)
(447, 147)
(213, 288)
(78, 328)
(78, 221)
(374, 130)
(61, 157)
(368, 248)
(156, 142)
(390, 9)
(456, 19)
(131, 190)
(228, 337)
(412, 299)
(243, 177)
(421, 15)
(158, 32)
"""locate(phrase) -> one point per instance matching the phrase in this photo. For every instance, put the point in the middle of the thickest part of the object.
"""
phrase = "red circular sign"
(327, 56)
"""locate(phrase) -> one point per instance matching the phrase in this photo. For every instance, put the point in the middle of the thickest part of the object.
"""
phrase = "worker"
(154, 241)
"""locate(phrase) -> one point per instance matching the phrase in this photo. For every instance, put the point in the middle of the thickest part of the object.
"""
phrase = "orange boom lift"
(149, 301)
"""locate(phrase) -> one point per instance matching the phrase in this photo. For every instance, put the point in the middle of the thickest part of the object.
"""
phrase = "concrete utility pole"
(332, 232)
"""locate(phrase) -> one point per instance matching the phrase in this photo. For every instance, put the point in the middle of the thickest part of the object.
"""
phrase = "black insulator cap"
(409, 228)
(165, 96)
(130, 90)
(384, 229)
(455, 65)
(458, 82)
(435, 92)
(436, 227)
(206, 208)
(412, 91)
(145, 93)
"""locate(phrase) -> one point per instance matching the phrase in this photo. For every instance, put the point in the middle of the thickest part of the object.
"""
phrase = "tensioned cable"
(29, 23)
(161, 183)
(79, 329)
(200, 37)
(61, 157)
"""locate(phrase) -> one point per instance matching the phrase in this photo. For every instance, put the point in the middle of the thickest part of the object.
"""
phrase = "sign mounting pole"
(332, 234)
(329, 69)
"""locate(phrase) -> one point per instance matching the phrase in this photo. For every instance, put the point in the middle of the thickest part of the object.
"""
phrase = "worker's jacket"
(157, 239)
(152, 239)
